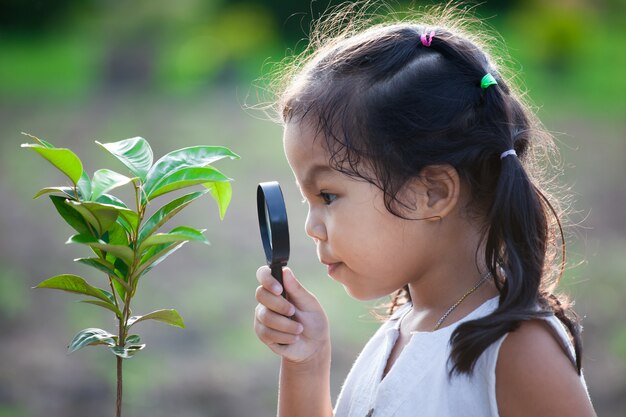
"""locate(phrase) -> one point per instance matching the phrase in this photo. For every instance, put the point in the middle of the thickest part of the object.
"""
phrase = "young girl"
(418, 162)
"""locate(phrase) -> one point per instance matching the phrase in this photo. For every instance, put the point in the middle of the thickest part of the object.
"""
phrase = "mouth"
(331, 267)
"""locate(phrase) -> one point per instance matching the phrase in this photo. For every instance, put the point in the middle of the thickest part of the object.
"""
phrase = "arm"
(305, 388)
(297, 330)
(534, 377)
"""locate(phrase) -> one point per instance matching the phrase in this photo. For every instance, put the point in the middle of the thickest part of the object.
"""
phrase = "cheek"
(394, 247)
(350, 227)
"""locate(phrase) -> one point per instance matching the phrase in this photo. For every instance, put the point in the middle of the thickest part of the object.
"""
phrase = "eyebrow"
(313, 172)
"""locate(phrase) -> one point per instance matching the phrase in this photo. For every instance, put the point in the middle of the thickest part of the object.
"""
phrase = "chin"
(361, 296)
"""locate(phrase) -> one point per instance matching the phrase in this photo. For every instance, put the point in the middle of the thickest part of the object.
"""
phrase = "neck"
(443, 289)
(448, 280)
(449, 309)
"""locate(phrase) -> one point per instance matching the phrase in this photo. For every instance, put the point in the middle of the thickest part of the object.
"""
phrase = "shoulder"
(534, 375)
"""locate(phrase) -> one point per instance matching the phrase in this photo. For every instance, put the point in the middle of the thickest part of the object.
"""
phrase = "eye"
(327, 197)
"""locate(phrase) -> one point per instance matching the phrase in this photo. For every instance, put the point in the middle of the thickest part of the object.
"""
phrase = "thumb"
(299, 296)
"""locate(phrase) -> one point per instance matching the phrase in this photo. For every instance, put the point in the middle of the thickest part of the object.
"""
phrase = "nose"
(314, 227)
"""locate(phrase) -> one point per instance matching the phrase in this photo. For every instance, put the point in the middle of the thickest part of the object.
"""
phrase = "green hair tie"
(487, 81)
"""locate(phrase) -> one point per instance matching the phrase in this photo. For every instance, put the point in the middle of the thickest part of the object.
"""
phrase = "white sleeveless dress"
(418, 383)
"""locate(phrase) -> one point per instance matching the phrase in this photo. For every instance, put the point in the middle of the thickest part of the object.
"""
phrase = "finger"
(275, 302)
(298, 295)
(265, 278)
(277, 322)
(273, 337)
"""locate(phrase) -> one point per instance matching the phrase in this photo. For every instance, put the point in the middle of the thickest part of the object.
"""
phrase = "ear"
(441, 191)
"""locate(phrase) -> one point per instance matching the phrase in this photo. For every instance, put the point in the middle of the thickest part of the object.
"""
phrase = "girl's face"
(365, 247)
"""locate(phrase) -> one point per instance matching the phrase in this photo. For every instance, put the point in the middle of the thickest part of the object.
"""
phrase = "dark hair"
(388, 105)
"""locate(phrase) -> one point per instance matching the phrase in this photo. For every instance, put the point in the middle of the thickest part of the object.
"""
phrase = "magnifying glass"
(274, 227)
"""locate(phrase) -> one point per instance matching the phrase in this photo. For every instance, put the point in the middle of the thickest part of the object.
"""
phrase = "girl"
(418, 163)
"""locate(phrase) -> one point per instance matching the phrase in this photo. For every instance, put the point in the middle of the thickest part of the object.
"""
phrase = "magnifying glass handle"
(277, 272)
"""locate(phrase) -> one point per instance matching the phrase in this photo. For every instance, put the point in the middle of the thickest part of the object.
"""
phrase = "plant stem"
(118, 402)
(121, 341)
(123, 322)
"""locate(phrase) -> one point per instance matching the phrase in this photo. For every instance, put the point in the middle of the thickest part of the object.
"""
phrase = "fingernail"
(300, 328)
(277, 289)
(292, 310)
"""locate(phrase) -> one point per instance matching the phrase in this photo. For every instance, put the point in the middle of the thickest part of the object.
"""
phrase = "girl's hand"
(297, 328)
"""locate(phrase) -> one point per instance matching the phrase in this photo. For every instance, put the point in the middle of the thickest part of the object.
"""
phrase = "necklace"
(455, 305)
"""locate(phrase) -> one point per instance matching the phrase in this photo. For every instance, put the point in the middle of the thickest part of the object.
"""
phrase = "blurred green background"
(182, 73)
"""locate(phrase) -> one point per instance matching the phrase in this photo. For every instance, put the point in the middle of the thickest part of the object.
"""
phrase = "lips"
(331, 264)
(331, 267)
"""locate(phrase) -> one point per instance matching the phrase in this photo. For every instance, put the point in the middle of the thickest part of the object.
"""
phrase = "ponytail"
(515, 255)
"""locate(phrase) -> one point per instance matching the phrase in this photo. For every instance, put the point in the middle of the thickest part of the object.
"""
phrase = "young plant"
(125, 242)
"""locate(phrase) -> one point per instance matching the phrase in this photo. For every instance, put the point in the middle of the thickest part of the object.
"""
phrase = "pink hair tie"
(427, 39)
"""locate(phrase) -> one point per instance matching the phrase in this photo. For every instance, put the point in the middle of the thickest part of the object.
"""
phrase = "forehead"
(305, 152)
(302, 144)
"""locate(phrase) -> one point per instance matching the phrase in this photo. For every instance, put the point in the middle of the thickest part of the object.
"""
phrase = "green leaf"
(135, 153)
(41, 141)
(127, 227)
(131, 219)
(75, 284)
(175, 235)
(105, 215)
(131, 215)
(105, 180)
(99, 264)
(116, 235)
(166, 316)
(100, 216)
(106, 267)
(185, 177)
(70, 214)
(123, 252)
(84, 186)
(68, 192)
(111, 200)
(222, 193)
(169, 210)
(119, 289)
(191, 157)
(121, 266)
(91, 337)
(128, 351)
(157, 254)
(63, 159)
(109, 296)
(108, 306)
